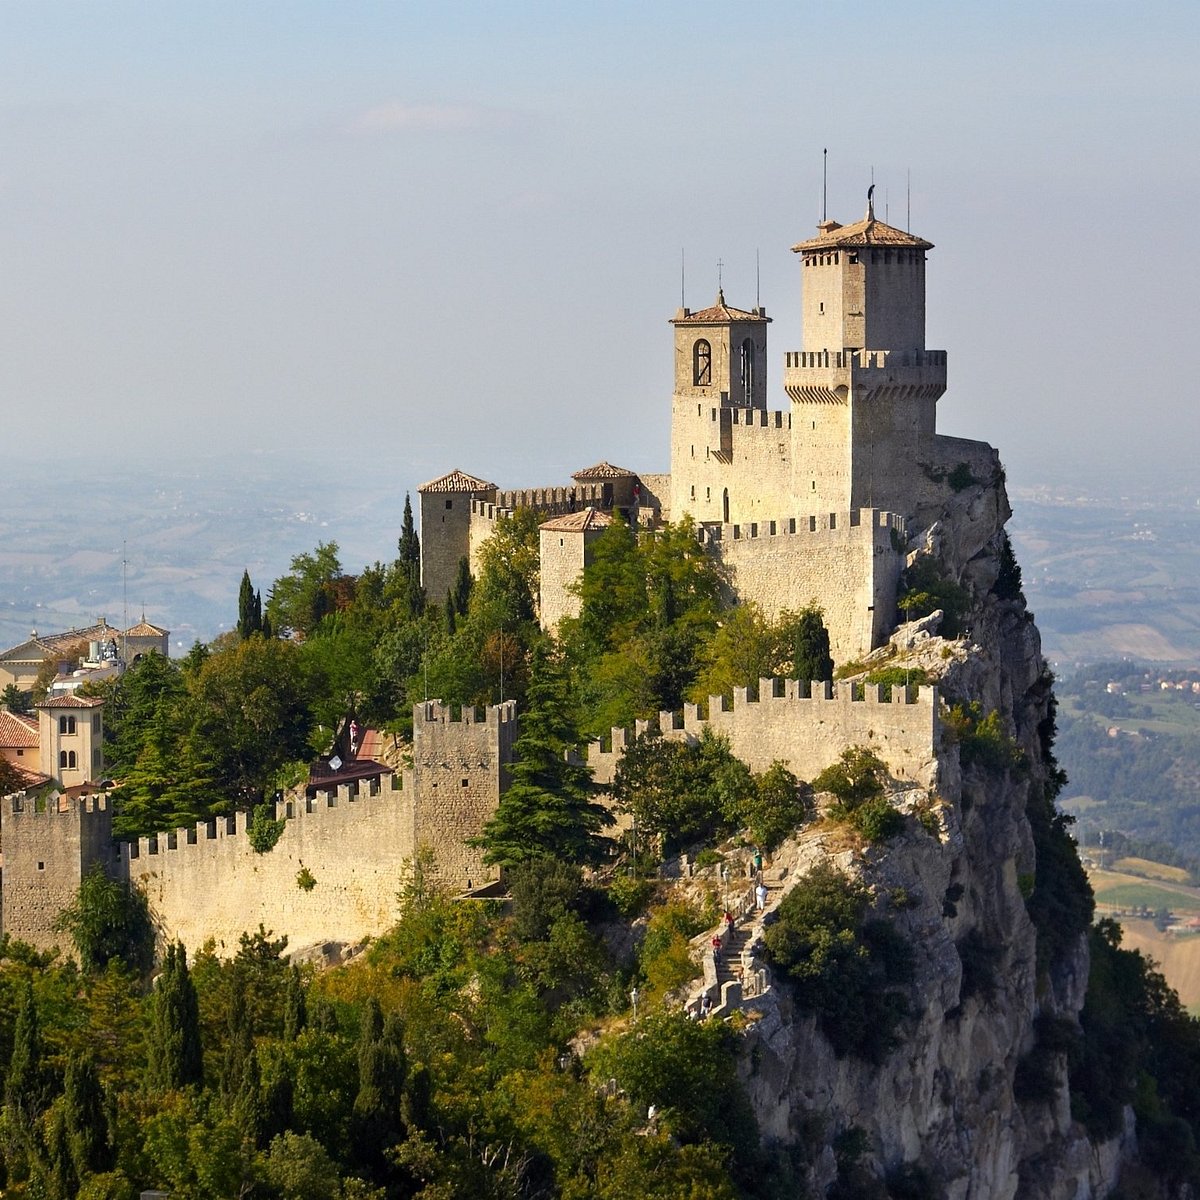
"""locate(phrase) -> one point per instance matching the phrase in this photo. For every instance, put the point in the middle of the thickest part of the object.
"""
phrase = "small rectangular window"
(466, 783)
(449, 503)
(41, 866)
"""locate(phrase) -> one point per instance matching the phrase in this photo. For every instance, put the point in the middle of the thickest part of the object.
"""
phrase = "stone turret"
(446, 527)
(864, 389)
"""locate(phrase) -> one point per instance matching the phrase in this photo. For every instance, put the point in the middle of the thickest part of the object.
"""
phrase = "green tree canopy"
(548, 809)
(299, 599)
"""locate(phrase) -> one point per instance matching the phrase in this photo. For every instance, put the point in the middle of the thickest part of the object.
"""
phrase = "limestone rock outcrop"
(948, 1099)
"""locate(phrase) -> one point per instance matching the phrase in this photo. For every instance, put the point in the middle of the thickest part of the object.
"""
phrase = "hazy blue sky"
(449, 234)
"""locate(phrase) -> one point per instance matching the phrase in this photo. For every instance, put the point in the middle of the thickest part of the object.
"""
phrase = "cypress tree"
(26, 1086)
(548, 810)
(249, 1104)
(462, 587)
(811, 658)
(85, 1117)
(174, 1056)
(246, 622)
(295, 1010)
(450, 622)
(239, 1043)
(382, 1067)
(58, 1174)
(409, 545)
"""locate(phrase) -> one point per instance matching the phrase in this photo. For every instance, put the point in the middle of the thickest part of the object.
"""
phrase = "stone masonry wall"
(460, 770)
(848, 563)
(806, 733)
(46, 854)
(208, 882)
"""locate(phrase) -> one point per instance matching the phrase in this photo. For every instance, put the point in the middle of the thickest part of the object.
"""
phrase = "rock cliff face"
(950, 1099)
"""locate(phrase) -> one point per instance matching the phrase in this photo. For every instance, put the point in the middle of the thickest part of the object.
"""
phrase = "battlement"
(804, 726)
(863, 359)
(554, 501)
(826, 376)
(295, 806)
(882, 524)
(434, 712)
(24, 805)
(748, 418)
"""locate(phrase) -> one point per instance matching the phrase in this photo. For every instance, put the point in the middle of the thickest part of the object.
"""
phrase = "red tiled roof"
(867, 232)
(719, 314)
(604, 470)
(370, 745)
(457, 481)
(17, 731)
(578, 522)
(71, 702)
(145, 629)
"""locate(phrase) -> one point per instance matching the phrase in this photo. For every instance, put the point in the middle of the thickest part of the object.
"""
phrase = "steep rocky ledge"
(946, 1100)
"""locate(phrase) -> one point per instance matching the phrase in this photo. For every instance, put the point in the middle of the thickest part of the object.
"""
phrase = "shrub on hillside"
(844, 966)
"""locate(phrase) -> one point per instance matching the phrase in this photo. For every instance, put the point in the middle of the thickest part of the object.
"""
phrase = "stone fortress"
(806, 504)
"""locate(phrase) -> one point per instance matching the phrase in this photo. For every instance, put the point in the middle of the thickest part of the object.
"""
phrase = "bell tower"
(720, 381)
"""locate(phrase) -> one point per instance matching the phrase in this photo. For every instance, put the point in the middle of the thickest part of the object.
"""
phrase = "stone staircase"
(735, 975)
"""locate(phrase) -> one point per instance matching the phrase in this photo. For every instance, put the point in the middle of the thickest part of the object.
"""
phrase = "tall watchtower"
(864, 389)
(720, 381)
(446, 528)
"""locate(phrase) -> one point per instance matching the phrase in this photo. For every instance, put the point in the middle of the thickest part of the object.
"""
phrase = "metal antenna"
(825, 185)
(720, 265)
(757, 281)
(124, 600)
(682, 278)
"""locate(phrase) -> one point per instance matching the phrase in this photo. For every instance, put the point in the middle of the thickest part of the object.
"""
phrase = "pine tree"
(174, 1057)
(548, 810)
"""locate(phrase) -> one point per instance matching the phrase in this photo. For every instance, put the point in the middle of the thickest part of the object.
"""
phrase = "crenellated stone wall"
(805, 732)
(207, 881)
(50, 843)
(460, 770)
(848, 564)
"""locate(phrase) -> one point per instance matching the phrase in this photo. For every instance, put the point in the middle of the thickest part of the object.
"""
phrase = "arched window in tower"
(702, 364)
(748, 370)
(71, 760)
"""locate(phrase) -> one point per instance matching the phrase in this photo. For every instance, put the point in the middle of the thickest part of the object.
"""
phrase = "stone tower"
(565, 545)
(864, 389)
(720, 381)
(446, 528)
